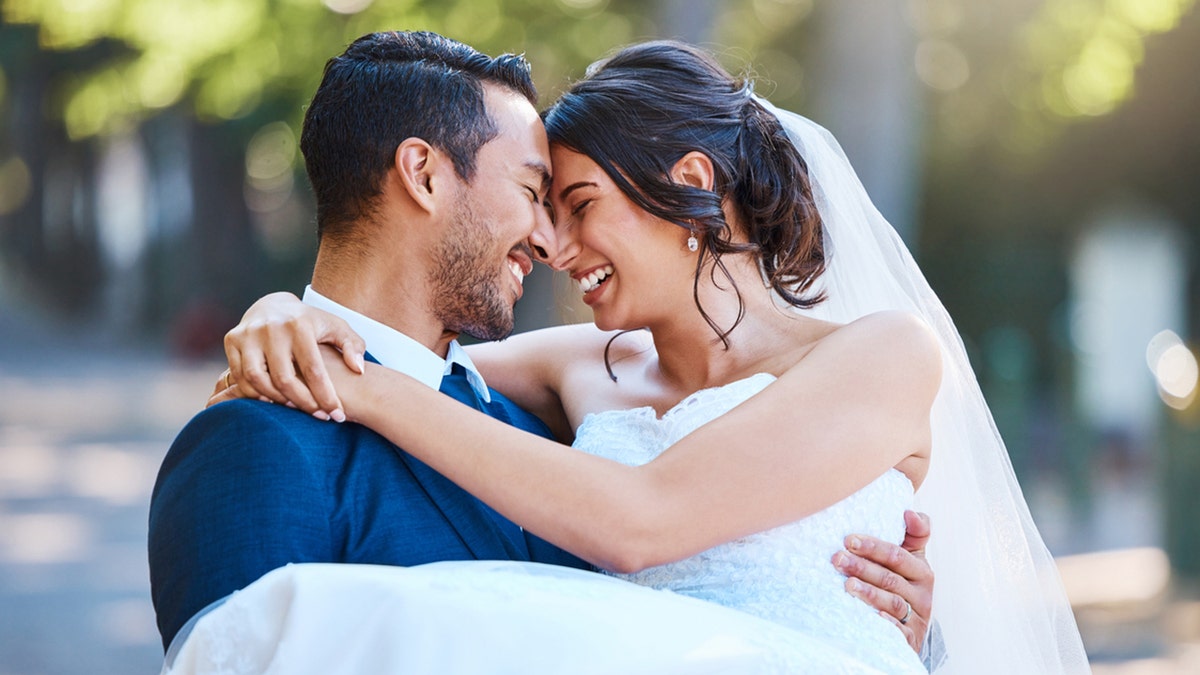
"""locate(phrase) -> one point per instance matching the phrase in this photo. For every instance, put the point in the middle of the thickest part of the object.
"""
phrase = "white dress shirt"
(397, 351)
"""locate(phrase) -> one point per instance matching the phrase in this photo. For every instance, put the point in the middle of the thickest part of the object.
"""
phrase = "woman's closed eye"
(578, 208)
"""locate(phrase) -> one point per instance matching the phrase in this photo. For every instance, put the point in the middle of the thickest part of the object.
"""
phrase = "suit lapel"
(487, 534)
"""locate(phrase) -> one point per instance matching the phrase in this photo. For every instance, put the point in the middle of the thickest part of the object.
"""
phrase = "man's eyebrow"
(573, 187)
(541, 171)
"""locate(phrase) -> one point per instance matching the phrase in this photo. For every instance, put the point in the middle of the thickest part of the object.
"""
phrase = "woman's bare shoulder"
(897, 327)
(899, 340)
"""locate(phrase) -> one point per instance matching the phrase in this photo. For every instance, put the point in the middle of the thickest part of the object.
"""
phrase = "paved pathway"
(83, 429)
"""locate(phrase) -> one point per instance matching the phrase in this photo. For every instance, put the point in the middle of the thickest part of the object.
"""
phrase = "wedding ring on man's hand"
(225, 380)
(907, 613)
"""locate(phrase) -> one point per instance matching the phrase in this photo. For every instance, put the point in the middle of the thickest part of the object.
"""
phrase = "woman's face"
(632, 267)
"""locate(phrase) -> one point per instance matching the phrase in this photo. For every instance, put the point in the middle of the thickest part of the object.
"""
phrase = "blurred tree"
(190, 86)
(1065, 106)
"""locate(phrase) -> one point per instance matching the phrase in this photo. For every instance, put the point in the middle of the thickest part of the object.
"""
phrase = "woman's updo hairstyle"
(638, 112)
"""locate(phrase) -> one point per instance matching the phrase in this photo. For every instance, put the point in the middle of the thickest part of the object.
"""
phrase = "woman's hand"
(895, 580)
(274, 356)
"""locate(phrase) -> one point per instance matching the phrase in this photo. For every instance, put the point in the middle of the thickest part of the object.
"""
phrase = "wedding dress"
(769, 603)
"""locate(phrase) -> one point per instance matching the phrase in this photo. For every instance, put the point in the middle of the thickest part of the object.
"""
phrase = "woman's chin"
(606, 322)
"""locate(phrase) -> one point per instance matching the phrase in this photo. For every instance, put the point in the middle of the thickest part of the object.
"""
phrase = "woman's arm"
(855, 406)
(529, 368)
(274, 354)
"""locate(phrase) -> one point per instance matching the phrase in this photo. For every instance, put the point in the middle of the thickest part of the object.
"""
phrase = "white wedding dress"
(769, 603)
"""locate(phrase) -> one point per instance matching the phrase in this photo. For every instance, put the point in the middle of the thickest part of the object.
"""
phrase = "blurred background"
(1040, 157)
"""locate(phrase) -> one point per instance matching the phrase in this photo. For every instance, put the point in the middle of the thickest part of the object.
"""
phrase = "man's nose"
(546, 244)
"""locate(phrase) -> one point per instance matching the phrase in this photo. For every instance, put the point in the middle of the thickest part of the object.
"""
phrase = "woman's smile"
(592, 280)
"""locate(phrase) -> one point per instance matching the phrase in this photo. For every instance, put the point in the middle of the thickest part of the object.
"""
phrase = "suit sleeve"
(237, 496)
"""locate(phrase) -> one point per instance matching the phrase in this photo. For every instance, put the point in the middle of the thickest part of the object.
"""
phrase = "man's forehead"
(500, 101)
(539, 171)
(521, 136)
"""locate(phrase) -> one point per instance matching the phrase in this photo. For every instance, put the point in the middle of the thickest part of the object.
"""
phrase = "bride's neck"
(691, 355)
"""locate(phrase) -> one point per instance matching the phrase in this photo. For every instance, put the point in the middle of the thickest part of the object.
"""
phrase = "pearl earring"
(692, 243)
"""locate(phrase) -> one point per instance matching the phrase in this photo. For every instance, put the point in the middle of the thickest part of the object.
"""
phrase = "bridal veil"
(998, 599)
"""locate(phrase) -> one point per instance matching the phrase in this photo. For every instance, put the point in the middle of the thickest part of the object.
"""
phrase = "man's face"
(484, 257)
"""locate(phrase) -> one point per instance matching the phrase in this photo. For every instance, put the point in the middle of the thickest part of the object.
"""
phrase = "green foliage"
(1033, 69)
(228, 58)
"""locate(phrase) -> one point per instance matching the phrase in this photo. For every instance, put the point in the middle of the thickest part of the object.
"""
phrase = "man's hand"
(896, 580)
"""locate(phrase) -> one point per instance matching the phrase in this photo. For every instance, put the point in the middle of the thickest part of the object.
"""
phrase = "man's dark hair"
(387, 87)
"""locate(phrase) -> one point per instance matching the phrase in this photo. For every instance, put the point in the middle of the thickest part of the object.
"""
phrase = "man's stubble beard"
(465, 289)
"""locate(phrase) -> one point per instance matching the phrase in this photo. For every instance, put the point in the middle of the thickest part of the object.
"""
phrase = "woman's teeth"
(592, 281)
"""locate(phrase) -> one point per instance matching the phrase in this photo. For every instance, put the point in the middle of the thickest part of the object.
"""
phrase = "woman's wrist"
(358, 394)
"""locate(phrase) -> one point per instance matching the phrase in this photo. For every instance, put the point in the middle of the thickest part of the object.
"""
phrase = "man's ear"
(421, 171)
(694, 169)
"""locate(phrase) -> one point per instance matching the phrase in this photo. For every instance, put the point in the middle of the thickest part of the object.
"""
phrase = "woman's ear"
(694, 169)
(419, 167)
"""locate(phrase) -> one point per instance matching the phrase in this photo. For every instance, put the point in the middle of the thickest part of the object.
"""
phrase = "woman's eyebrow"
(573, 187)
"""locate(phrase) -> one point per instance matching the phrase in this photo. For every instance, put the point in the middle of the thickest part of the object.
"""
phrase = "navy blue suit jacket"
(248, 487)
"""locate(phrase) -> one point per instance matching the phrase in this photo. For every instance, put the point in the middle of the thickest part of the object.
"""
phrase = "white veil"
(998, 599)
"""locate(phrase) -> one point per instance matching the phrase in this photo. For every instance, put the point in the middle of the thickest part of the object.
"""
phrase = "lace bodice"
(784, 574)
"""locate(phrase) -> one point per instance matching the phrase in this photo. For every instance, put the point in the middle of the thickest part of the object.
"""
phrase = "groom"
(429, 164)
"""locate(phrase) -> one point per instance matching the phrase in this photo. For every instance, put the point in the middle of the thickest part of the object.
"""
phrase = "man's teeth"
(591, 281)
(515, 267)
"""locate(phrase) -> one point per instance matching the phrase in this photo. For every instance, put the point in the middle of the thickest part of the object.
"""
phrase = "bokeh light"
(1174, 367)
(270, 158)
(941, 65)
(782, 12)
(1088, 51)
(347, 6)
(15, 184)
(587, 5)
(158, 79)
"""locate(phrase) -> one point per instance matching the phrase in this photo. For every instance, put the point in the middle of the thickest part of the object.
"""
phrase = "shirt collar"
(397, 351)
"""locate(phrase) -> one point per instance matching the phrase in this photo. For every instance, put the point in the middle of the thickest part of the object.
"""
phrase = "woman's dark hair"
(387, 87)
(638, 112)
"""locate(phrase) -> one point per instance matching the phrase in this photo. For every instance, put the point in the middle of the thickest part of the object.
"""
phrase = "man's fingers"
(885, 602)
(889, 592)
(880, 588)
(916, 534)
(910, 635)
(918, 591)
(894, 607)
(888, 556)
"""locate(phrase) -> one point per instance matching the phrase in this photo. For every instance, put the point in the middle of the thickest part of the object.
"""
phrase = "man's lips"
(520, 264)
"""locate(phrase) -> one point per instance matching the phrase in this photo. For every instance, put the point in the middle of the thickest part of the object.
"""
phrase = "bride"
(798, 381)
